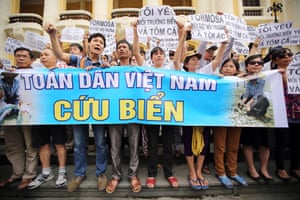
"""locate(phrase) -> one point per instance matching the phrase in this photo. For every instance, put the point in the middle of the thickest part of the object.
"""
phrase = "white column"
(213, 6)
(290, 10)
(5, 8)
(152, 3)
(202, 6)
(100, 9)
(226, 6)
(51, 11)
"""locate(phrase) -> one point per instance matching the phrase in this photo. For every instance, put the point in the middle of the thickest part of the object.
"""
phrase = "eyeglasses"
(283, 55)
(256, 62)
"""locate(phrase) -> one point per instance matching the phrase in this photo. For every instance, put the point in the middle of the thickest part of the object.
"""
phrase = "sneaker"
(39, 180)
(75, 183)
(61, 180)
(102, 182)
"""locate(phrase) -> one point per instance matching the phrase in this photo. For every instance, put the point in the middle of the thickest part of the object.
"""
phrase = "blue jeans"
(80, 134)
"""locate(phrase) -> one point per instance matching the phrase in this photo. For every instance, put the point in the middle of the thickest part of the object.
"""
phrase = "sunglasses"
(256, 62)
(283, 55)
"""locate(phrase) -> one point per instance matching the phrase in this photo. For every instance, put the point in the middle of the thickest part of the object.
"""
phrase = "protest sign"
(11, 44)
(237, 27)
(157, 21)
(122, 95)
(275, 34)
(108, 29)
(72, 35)
(5, 63)
(110, 45)
(253, 34)
(129, 36)
(295, 37)
(168, 43)
(293, 76)
(240, 48)
(208, 27)
(35, 41)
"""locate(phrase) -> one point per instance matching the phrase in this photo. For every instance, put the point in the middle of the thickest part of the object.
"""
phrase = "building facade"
(19, 16)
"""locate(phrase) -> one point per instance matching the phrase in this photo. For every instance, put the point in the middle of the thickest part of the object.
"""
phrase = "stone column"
(52, 8)
(100, 9)
(226, 6)
(152, 2)
(213, 6)
(5, 9)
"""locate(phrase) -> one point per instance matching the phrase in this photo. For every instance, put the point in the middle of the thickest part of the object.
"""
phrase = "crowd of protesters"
(26, 145)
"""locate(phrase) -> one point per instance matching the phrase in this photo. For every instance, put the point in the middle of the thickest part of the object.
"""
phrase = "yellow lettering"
(127, 109)
(59, 114)
(170, 111)
(104, 110)
(141, 111)
(85, 105)
(152, 110)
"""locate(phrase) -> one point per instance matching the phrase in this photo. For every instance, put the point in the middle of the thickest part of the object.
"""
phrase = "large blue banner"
(120, 95)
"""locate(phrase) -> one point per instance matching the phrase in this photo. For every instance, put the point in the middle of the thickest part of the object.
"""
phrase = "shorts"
(48, 134)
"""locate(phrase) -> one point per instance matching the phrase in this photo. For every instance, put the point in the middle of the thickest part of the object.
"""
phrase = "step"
(88, 187)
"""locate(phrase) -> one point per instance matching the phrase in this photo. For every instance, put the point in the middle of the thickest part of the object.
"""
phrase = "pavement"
(88, 188)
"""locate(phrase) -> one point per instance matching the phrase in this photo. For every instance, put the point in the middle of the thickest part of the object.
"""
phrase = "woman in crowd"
(287, 137)
(191, 64)
(157, 56)
(227, 139)
(255, 137)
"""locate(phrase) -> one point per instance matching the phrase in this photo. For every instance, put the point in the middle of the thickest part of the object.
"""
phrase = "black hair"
(122, 42)
(236, 64)
(94, 35)
(252, 57)
(279, 52)
(142, 51)
(156, 49)
(77, 45)
(24, 49)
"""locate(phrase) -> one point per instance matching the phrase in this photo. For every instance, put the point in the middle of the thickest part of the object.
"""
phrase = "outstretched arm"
(52, 31)
(180, 47)
(219, 56)
(253, 49)
(135, 46)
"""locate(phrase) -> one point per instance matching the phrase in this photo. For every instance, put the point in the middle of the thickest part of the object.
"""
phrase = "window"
(79, 5)
(32, 6)
(128, 4)
(177, 3)
(251, 3)
(252, 8)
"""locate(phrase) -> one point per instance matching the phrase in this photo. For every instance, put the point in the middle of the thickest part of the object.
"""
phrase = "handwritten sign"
(208, 27)
(108, 29)
(274, 34)
(157, 21)
(253, 34)
(237, 27)
(11, 44)
(35, 41)
(295, 37)
(293, 74)
(72, 34)
(240, 48)
(129, 36)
